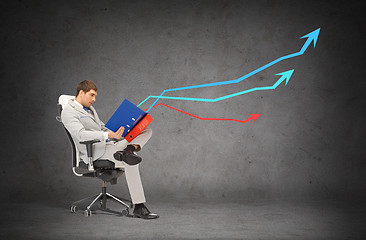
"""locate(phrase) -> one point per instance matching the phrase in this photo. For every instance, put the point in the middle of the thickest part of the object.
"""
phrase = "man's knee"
(148, 131)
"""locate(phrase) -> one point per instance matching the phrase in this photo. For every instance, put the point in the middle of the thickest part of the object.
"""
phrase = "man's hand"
(117, 134)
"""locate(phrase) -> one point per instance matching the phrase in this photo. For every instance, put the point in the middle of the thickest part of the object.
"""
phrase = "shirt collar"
(77, 103)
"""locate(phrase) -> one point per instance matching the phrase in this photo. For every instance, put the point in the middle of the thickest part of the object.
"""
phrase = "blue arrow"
(284, 76)
(313, 36)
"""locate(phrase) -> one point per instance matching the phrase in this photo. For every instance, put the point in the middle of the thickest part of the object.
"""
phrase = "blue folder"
(126, 115)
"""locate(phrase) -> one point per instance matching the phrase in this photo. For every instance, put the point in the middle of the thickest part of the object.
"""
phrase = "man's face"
(88, 98)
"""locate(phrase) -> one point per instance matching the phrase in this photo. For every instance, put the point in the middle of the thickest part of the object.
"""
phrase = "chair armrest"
(90, 141)
(89, 152)
(115, 139)
(89, 145)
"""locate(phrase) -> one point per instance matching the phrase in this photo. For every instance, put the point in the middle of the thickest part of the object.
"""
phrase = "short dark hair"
(86, 86)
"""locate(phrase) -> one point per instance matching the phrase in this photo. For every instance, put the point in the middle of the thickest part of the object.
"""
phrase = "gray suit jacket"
(83, 127)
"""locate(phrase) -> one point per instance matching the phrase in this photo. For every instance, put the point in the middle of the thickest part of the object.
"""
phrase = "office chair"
(103, 169)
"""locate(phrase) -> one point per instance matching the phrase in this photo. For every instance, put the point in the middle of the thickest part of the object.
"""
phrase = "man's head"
(86, 91)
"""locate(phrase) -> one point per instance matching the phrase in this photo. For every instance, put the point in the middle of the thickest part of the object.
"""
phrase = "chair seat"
(103, 163)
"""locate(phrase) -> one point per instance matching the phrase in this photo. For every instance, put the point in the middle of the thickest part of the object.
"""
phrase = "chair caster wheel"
(74, 209)
(125, 212)
(87, 213)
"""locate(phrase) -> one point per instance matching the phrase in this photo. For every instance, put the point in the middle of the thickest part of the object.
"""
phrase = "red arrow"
(253, 117)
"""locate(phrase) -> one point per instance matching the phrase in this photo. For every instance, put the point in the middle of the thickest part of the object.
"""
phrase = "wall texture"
(307, 144)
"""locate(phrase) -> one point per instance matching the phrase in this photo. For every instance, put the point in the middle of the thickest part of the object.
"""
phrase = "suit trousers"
(132, 173)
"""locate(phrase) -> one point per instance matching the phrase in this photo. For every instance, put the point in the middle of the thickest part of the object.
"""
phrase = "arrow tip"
(286, 75)
(254, 117)
(313, 36)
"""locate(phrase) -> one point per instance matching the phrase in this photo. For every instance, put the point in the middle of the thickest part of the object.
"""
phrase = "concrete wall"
(306, 144)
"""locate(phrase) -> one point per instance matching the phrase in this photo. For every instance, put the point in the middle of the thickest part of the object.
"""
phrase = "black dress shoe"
(127, 156)
(144, 213)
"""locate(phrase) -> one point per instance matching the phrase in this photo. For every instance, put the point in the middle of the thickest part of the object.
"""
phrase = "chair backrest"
(105, 168)
(62, 102)
(64, 99)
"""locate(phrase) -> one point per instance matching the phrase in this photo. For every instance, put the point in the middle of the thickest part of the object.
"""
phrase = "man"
(81, 119)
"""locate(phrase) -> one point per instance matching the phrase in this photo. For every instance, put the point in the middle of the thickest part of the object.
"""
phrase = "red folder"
(139, 128)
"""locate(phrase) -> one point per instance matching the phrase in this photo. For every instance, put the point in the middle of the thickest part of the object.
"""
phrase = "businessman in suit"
(82, 121)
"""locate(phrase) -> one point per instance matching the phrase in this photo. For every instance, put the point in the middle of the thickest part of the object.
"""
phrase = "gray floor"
(189, 220)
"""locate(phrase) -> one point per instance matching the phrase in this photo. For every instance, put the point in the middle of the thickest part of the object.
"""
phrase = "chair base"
(102, 198)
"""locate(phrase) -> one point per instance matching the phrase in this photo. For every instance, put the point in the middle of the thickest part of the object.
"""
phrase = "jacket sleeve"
(104, 128)
(72, 123)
